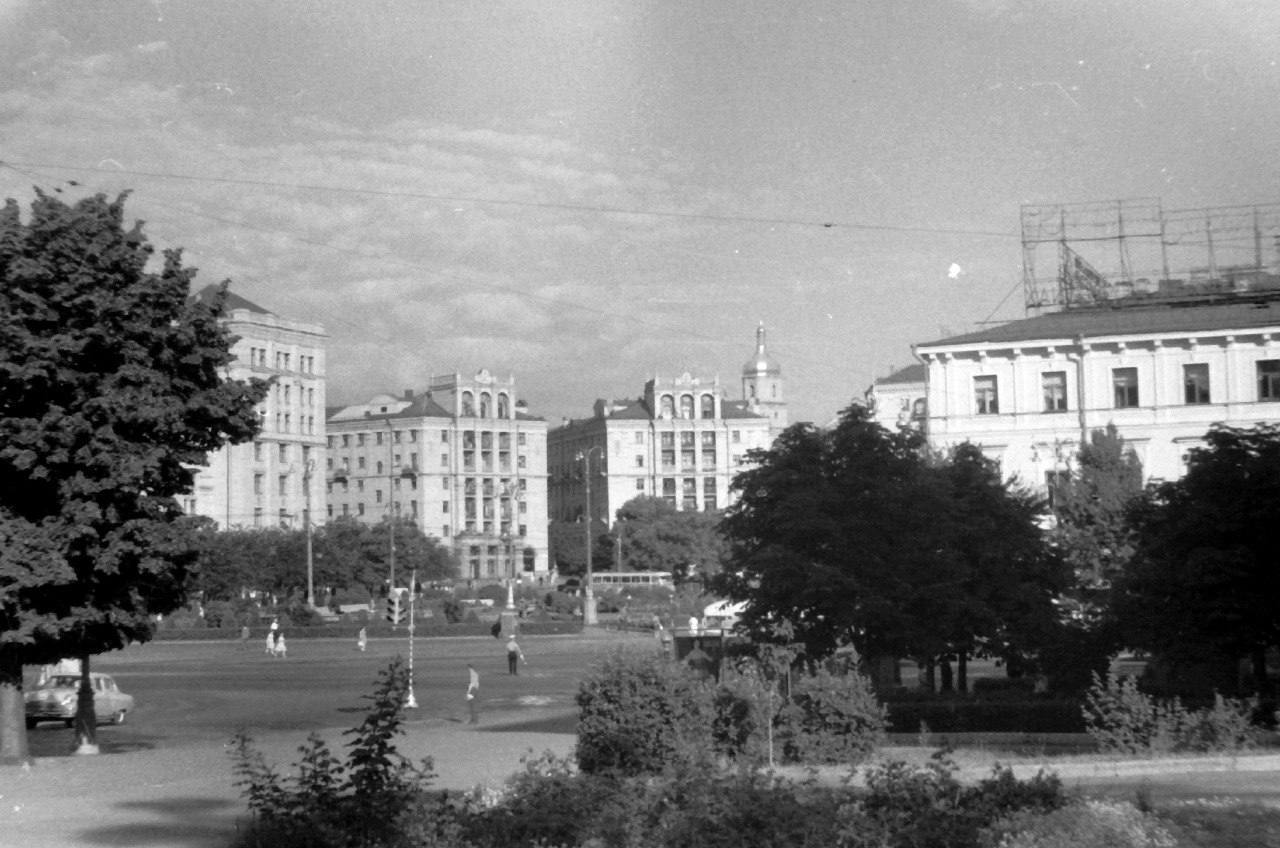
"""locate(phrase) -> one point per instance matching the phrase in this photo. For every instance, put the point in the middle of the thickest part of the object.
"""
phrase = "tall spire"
(760, 364)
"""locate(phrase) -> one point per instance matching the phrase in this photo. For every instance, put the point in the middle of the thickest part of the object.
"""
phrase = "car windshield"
(63, 681)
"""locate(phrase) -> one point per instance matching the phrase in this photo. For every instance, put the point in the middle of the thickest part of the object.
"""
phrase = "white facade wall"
(265, 483)
(1031, 442)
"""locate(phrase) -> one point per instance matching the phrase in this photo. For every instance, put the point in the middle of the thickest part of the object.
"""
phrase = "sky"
(585, 194)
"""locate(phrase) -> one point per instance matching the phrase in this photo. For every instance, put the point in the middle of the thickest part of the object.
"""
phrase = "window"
(1195, 383)
(1269, 379)
(689, 493)
(520, 439)
(1054, 384)
(986, 398)
(359, 440)
(444, 460)
(360, 462)
(686, 406)
(257, 484)
(377, 438)
(360, 508)
(639, 487)
(667, 407)
(257, 451)
(1125, 383)
(708, 406)
(639, 460)
(736, 436)
(284, 453)
(669, 490)
(709, 493)
(668, 450)
(346, 440)
(444, 506)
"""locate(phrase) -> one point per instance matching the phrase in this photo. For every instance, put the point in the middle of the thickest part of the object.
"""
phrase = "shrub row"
(972, 715)
(376, 798)
(1123, 719)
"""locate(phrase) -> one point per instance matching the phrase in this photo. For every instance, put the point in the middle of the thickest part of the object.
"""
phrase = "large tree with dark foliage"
(1203, 581)
(112, 388)
(855, 535)
(652, 535)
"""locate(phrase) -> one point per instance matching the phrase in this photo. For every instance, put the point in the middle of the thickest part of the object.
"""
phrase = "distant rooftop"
(1169, 317)
(233, 301)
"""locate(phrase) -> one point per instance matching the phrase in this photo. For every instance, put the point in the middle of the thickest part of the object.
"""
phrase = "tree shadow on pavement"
(178, 822)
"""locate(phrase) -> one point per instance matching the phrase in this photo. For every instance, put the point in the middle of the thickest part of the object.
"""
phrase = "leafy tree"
(1203, 578)
(567, 543)
(112, 390)
(1091, 529)
(359, 554)
(1092, 534)
(855, 536)
(655, 536)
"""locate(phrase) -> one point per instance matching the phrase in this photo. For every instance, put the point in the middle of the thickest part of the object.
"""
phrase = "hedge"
(1040, 715)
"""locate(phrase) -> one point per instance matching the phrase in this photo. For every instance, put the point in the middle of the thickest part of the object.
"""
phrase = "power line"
(530, 204)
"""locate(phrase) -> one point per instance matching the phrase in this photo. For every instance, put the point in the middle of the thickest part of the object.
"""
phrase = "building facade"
(464, 460)
(898, 399)
(1030, 391)
(682, 441)
(277, 479)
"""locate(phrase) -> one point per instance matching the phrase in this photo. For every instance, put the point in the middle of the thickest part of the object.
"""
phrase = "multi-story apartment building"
(1029, 391)
(464, 460)
(681, 441)
(277, 479)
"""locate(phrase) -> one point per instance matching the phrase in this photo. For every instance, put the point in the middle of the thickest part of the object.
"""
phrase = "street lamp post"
(409, 700)
(589, 597)
(306, 522)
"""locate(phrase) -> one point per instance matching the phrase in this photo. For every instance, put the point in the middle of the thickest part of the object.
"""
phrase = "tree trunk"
(930, 681)
(86, 721)
(962, 672)
(948, 684)
(13, 710)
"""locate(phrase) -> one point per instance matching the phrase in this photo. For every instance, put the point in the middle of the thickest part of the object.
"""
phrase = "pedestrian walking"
(362, 639)
(515, 656)
(473, 694)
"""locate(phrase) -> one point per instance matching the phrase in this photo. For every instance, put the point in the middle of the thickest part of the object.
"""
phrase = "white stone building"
(463, 459)
(898, 399)
(278, 477)
(1029, 391)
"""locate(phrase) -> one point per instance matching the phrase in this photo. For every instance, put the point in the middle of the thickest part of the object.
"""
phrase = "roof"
(234, 301)
(1126, 320)
(910, 374)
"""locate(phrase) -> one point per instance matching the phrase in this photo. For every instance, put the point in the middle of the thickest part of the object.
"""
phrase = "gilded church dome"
(760, 365)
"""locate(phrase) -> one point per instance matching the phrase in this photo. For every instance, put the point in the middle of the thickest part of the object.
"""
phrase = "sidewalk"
(183, 797)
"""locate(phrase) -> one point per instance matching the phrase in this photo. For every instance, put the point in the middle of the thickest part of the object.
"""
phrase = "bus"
(631, 579)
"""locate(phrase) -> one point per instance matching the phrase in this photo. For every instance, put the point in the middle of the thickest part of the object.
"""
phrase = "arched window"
(484, 404)
(503, 411)
(686, 406)
(708, 406)
(667, 407)
(468, 408)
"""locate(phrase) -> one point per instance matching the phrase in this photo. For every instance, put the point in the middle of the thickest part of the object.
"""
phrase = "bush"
(1106, 824)
(376, 798)
(832, 718)
(640, 714)
(949, 714)
(906, 805)
(1124, 720)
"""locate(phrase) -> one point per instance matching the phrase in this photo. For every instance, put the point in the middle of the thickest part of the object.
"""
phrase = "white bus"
(630, 579)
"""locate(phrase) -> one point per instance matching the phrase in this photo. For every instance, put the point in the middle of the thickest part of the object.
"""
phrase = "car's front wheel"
(118, 717)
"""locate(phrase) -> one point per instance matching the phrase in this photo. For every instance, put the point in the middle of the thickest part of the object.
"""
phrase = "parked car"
(55, 700)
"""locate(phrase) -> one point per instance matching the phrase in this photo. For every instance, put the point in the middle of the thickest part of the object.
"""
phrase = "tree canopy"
(346, 554)
(1203, 578)
(112, 389)
(855, 535)
(655, 536)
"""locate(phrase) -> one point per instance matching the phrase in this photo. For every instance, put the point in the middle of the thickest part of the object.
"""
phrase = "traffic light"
(395, 612)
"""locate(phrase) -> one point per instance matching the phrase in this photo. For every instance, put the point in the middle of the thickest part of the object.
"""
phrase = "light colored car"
(55, 700)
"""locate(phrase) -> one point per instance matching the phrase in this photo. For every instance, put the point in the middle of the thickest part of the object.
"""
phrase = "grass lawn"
(1230, 823)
